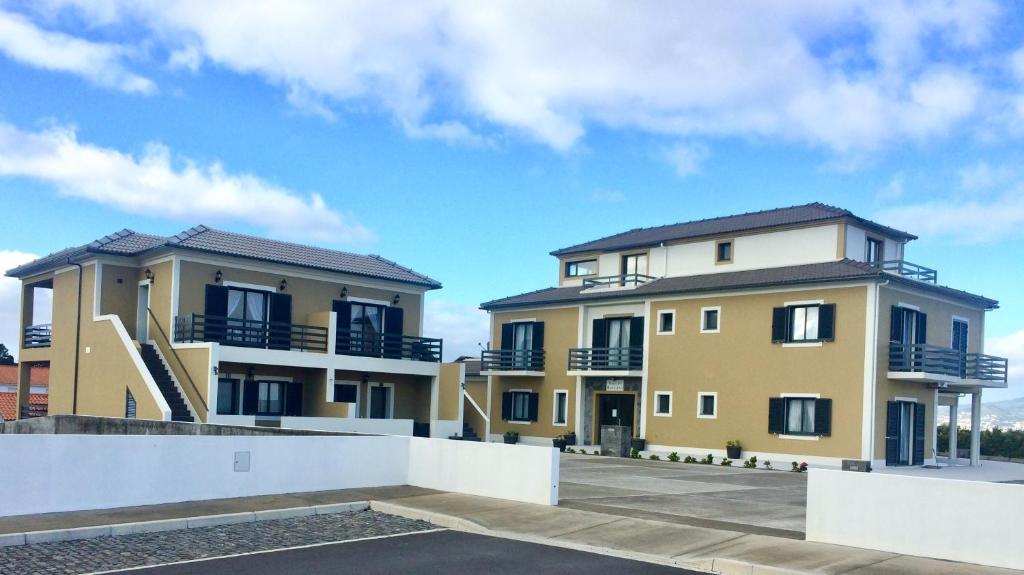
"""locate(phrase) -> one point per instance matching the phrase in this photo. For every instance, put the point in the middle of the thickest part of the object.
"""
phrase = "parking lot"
(731, 498)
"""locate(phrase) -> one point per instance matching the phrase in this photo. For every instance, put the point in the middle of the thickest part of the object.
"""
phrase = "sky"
(468, 140)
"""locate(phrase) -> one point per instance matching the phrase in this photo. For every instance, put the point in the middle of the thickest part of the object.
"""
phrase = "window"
(632, 265)
(346, 393)
(130, 409)
(803, 323)
(520, 406)
(247, 312)
(522, 340)
(618, 341)
(800, 415)
(366, 325)
(723, 251)
(710, 320)
(271, 398)
(707, 405)
(666, 322)
(580, 268)
(663, 403)
(561, 407)
(874, 251)
(228, 394)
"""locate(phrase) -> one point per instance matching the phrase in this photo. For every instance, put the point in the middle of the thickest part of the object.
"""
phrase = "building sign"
(615, 385)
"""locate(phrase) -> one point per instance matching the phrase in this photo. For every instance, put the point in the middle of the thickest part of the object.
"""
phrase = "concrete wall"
(971, 521)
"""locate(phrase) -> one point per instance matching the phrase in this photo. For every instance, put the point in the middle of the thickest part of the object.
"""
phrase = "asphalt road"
(431, 552)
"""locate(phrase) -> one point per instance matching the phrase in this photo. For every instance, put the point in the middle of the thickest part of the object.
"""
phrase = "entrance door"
(380, 400)
(904, 437)
(614, 409)
(142, 314)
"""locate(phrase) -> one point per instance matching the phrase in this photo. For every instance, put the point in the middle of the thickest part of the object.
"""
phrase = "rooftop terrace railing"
(907, 269)
(623, 280)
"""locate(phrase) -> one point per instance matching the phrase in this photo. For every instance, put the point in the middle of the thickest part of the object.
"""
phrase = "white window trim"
(244, 285)
(703, 312)
(803, 344)
(701, 395)
(804, 302)
(529, 320)
(671, 312)
(656, 412)
(380, 302)
(554, 407)
(391, 398)
(517, 421)
(801, 437)
(908, 306)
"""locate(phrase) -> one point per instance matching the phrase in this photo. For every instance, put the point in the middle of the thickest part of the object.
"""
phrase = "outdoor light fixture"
(218, 276)
(284, 285)
(149, 274)
(344, 292)
(395, 301)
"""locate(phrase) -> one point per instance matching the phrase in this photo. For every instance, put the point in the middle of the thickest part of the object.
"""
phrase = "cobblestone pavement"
(106, 553)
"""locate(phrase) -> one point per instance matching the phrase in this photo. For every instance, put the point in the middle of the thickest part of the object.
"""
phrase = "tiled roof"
(9, 403)
(202, 238)
(40, 375)
(842, 270)
(643, 237)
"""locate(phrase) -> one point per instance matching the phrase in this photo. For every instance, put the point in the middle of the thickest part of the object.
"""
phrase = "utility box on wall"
(856, 465)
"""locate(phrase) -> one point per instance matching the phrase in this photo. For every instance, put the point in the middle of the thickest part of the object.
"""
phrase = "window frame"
(703, 319)
(879, 253)
(554, 408)
(718, 251)
(787, 399)
(668, 312)
(569, 264)
(790, 315)
(512, 416)
(700, 404)
(658, 413)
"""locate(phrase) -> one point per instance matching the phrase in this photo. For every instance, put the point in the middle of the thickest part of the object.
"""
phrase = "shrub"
(570, 450)
(733, 443)
(673, 456)
(654, 457)
(751, 463)
(799, 467)
(767, 464)
(796, 466)
(634, 454)
(726, 462)
(689, 459)
(708, 460)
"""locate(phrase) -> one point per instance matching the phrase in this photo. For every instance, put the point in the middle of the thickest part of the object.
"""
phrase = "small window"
(580, 268)
(130, 408)
(561, 407)
(707, 405)
(520, 406)
(666, 322)
(710, 320)
(874, 251)
(346, 393)
(800, 415)
(228, 394)
(663, 403)
(803, 323)
(723, 251)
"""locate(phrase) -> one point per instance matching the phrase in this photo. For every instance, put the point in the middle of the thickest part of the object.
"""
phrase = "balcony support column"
(976, 428)
(952, 430)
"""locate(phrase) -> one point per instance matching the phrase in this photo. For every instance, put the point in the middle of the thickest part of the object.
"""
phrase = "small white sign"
(615, 385)
(615, 412)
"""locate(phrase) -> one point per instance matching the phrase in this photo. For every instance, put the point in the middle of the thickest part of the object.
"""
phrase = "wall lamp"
(395, 300)
(284, 285)
(149, 274)
(344, 292)
(218, 276)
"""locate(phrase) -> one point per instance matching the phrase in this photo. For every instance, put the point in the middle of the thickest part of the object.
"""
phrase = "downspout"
(874, 369)
(78, 336)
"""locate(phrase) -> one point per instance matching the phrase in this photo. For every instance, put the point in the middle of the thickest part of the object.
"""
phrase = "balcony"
(388, 346)
(943, 365)
(624, 361)
(38, 335)
(619, 281)
(195, 327)
(909, 270)
(524, 362)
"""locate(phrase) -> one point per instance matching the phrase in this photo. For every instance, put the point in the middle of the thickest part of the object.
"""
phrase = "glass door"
(247, 317)
(522, 344)
(367, 327)
(618, 342)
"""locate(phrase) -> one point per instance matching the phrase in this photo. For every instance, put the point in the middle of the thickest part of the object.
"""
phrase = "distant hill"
(1005, 414)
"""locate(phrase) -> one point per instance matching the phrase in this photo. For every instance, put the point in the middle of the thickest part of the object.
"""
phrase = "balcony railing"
(38, 335)
(907, 269)
(512, 360)
(387, 345)
(606, 359)
(934, 359)
(250, 333)
(624, 280)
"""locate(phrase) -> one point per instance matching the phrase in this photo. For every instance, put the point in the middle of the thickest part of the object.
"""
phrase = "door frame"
(910, 449)
(595, 416)
(390, 408)
(142, 314)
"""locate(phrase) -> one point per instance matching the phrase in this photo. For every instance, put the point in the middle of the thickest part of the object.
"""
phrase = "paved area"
(126, 551)
(436, 552)
(730, 498)
(989, 470)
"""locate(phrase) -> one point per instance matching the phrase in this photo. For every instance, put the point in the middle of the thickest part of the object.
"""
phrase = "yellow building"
(218, 327)
(800, 332)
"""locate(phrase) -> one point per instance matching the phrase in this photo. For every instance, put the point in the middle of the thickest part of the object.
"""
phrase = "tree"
(5, 356)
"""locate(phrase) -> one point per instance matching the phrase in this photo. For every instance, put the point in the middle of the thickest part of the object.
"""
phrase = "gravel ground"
(106, 553)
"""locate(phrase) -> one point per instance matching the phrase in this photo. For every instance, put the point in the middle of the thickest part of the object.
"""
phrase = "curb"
(92, 532)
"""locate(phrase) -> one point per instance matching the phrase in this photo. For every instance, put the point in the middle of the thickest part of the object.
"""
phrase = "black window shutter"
(636, 342)
(599, 333)
(293, 399)
(823, 417)
(918, 434)
(250, 397)
(780, 321)
(896, 325)
(216, 310)
(280, 318)
(506, 405)
(922, 328)
(827, 322)
(345, 393)
(344, 311)
(538, 335)
(776, 415)
(507, 336)
(394, 323)
(892, 431)
(534, 405)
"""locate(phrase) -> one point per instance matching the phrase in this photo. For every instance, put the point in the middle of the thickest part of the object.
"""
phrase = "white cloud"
(99, 63)
(462, 327)
(983, 177)
(607, 196)
(1011, 347)
(965, 220)
(849, 76)
(156, 185)
(686, 158)
(893, 190)
(10, 300)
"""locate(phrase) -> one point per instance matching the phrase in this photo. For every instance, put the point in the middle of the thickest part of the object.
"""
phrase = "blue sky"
(469, 144)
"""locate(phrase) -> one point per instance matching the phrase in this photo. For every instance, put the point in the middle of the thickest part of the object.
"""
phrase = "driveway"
(731, 498)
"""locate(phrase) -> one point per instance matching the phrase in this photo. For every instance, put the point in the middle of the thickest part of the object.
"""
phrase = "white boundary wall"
(53, 473)
(970, 521)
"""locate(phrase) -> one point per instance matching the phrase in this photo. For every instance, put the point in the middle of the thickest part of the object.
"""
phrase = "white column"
(952, 430)
(490, 412)
(976, 428)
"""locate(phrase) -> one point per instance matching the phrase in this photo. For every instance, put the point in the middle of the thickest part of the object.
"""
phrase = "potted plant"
(733, 448)
(638, 443)
(559, 442)
(570, 438)
(511, 437)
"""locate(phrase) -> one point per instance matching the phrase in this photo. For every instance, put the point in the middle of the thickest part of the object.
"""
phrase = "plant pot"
(511, 440)
(570, 438)
(638, 443)
(559, 443)
(733, 452)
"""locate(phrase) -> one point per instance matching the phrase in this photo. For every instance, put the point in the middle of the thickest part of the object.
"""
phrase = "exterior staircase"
(179, 411)
(468, 434)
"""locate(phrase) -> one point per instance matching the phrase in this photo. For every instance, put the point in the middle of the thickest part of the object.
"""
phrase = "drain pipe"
(78, 336)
